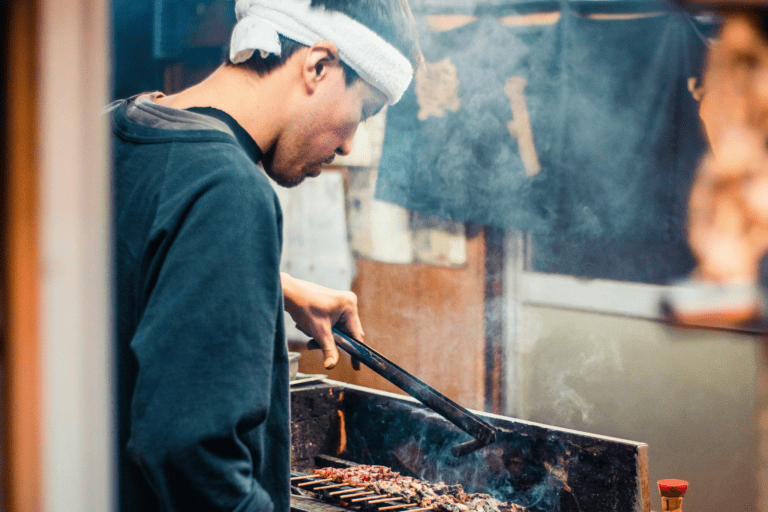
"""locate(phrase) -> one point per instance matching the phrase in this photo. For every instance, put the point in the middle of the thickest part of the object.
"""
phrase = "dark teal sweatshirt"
(202, 367)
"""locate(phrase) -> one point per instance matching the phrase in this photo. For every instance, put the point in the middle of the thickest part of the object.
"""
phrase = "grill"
(539, 467)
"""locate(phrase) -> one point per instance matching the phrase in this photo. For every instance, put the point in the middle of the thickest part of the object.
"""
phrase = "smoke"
(569, 402)
(601, 356)
(519, 468)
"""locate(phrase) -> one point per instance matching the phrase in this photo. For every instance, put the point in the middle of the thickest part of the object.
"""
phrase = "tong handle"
(483, 432)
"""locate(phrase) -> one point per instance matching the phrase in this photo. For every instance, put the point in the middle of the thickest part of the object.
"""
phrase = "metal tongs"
(483, 432)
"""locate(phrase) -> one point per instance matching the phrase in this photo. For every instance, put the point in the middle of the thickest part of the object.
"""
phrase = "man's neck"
(258, 104)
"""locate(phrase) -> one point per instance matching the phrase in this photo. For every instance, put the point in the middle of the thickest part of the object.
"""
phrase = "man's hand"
(316, 309)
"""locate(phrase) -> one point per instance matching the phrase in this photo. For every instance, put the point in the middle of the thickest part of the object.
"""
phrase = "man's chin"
(310, 171)
(282, 180)
(313, 170)
(289, 182)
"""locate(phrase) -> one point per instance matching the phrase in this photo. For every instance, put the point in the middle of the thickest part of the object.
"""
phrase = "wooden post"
(22, 467)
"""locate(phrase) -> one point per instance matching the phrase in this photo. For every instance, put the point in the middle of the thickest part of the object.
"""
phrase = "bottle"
(672, 492)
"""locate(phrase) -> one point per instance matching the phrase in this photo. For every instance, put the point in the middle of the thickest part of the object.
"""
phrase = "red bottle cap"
(672, 488)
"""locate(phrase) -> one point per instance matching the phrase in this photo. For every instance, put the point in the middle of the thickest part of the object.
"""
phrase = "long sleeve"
(208, 407)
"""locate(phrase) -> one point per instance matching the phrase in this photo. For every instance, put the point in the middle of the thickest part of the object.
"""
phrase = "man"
(202, 365)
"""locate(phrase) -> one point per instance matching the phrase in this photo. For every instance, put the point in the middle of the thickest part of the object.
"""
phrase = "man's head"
(390, 19)
(354, 57)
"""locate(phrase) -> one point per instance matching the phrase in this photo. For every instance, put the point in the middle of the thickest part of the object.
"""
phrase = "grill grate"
(351, 496)
(365, 498)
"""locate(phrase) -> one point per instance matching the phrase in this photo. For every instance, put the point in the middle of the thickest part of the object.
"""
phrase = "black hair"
(390, 19)
(264, 65)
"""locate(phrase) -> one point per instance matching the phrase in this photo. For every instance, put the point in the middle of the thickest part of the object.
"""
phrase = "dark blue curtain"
(632, 132)
(615, 130)
(464, 165)
(633, 140)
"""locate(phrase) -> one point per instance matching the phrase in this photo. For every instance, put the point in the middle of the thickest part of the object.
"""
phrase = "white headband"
(375, 60)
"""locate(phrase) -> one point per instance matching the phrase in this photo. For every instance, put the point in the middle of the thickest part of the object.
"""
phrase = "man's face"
(323, 128)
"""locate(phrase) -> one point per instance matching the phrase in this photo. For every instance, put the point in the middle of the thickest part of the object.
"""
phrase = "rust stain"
(520, 127)
(342, 434)
(447, 22)
(437, 88)
(559, 472)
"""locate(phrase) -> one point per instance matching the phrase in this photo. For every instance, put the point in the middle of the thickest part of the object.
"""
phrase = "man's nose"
(346, 145)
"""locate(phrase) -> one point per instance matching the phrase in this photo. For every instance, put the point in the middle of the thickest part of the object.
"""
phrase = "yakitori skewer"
(394, 507)
(367, 498)
(345, 491)
(356, 494)
(382, 500)
(315, 482)
(334, 486)
(303, 477)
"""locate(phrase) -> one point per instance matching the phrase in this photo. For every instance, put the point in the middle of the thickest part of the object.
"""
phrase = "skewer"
(367, 499)
(385, 499)
(331, 486)
(315, 482)
(335, 493)
(393, 507)
(293, 479)
(420, 509)
(356, 494)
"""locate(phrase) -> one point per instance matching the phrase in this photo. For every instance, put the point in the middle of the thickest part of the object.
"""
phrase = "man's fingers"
(328, 345)
(355, 329)
(330, 358)
(351, 322)
(313, 344)
(330, 353)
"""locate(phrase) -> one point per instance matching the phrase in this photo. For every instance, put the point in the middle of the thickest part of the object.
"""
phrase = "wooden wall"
(427, 319)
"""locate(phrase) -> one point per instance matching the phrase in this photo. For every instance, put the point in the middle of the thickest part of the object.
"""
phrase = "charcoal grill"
(540, 467)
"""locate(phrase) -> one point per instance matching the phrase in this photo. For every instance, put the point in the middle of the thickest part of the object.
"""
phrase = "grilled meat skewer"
(439, 497)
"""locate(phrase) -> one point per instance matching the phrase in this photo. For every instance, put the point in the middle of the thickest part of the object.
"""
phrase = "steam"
(587, 368)
(517, 469)
(569, 402)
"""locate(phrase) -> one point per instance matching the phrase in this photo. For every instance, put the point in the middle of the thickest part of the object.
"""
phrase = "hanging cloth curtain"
(632, 131)
(632, 142)
(476, 138)
(583, 128)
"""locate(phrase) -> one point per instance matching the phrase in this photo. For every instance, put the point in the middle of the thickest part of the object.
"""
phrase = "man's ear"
(320, 58)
